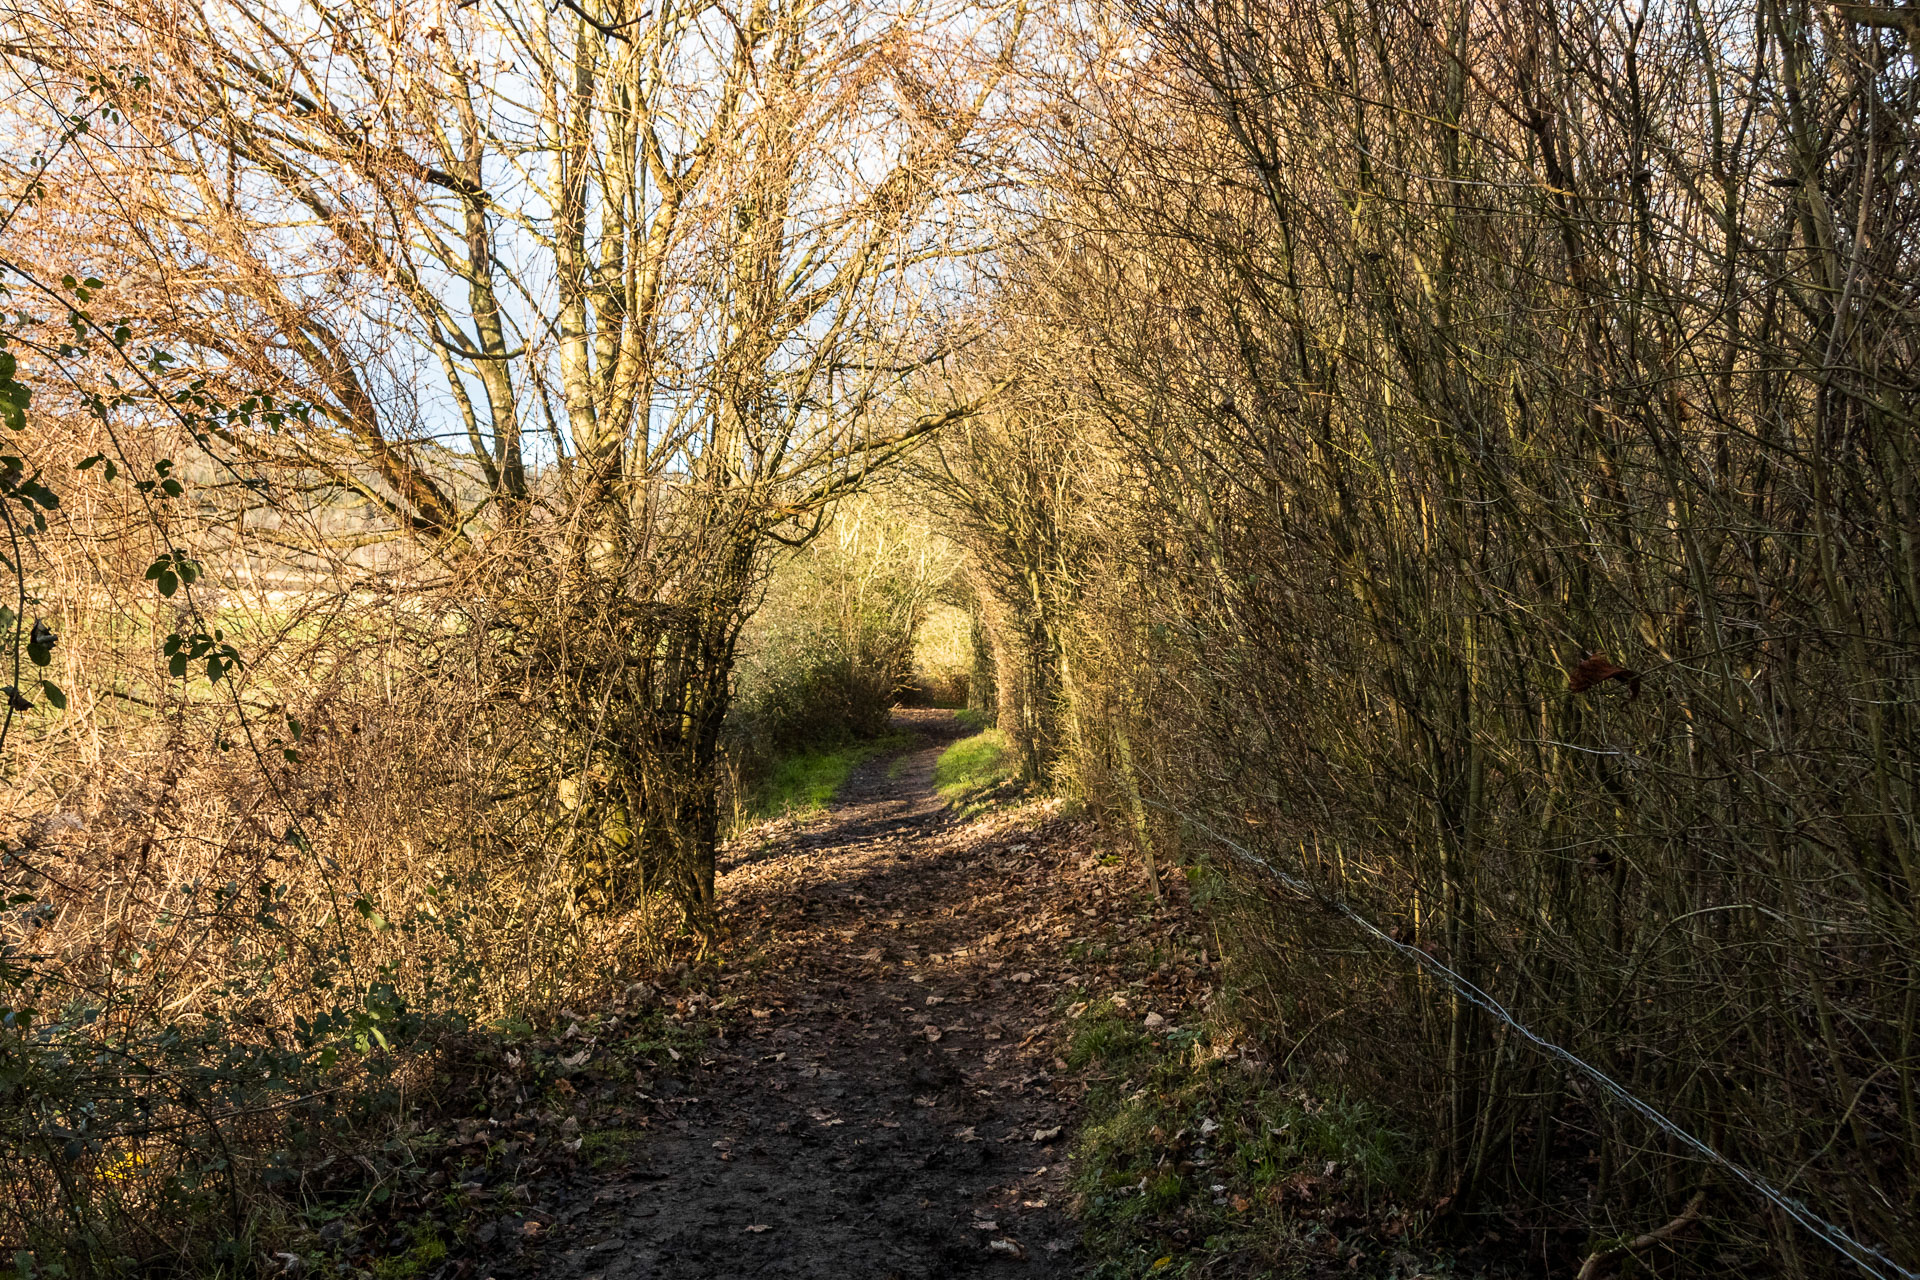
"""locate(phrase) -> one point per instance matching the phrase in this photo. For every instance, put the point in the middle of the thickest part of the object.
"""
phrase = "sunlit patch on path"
(886, 1098)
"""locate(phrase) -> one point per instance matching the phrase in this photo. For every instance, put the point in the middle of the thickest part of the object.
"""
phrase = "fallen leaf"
(1022, 977)
(1046, 1135)
(965, 1135)
(1009, 1246)
(758, 1227)
(932, 1032)
(1153, 1022)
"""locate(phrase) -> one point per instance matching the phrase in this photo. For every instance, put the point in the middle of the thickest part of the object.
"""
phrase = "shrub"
(833, 644)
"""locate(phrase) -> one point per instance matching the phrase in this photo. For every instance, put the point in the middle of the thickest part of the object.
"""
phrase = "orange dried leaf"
(1596, 669)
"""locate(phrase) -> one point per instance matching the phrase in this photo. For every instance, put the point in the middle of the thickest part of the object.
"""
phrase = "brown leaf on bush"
(1596, 669)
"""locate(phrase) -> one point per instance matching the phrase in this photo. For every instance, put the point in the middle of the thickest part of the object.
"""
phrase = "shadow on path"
(884, 1105)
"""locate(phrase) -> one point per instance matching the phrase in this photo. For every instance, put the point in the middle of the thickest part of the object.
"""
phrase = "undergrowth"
(516, 1111)
(1194, 1160)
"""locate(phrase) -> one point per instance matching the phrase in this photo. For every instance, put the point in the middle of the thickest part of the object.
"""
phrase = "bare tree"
(621, 293)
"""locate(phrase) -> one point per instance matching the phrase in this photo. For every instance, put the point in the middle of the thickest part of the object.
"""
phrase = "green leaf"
(14, 396)
(55, 697)
(169, 583)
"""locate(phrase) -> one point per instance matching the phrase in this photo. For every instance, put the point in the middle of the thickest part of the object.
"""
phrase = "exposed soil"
(884, 1096)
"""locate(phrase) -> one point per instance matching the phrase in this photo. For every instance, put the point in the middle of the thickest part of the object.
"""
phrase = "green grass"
(970, 720)
(1166, 1122)
(606, 1149)
(806, 781)
(427, 1250)
(973, 772)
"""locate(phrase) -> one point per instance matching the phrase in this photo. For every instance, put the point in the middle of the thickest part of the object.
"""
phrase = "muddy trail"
(881, 1093)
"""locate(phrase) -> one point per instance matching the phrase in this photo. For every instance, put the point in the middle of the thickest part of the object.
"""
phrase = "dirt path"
(885, 1100)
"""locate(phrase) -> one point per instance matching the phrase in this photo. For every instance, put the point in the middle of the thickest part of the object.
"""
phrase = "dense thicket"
(1465, 460)
(443, 380)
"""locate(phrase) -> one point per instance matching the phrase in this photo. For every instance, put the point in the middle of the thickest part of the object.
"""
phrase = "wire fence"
(1869, 1258)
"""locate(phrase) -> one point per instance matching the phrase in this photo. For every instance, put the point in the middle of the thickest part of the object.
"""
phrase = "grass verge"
(974, 773)
(806, 781)
(1195, 1162)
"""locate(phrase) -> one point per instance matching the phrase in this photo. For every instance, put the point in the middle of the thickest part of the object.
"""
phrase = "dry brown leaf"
(1596, 669)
